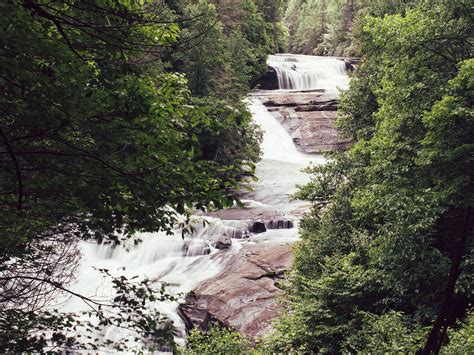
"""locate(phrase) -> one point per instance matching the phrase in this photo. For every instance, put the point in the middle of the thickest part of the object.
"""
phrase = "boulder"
(222, 242)
(258, 227)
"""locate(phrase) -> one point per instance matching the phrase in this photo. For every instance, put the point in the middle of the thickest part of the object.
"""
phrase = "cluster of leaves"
(133, 311)
(385, 261)
(217, 340)
(101, 138)
(461, 338)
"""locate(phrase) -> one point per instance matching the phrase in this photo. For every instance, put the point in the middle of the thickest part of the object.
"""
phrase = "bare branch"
(17, 168)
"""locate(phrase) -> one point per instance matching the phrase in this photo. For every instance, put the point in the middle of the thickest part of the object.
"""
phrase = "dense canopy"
(120, 117)
(385, 261)
(105, 132)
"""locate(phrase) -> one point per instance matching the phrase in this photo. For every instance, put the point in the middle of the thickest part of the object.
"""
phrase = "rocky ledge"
(243, 295)
(308, 116)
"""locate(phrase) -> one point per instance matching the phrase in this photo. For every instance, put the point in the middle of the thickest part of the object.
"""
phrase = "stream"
(185, 264)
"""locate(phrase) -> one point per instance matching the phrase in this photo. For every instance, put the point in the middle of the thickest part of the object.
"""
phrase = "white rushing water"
(187, 263)
(184, 264)
(277, 143)
(279, 172)
(304, 72)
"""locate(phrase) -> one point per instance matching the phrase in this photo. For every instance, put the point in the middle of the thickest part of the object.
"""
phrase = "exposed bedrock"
(255, 242)
(309, 117)
(270, 80)
(243, 295)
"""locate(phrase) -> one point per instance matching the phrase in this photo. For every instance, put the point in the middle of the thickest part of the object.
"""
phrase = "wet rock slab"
(243, 295)
(308, 116)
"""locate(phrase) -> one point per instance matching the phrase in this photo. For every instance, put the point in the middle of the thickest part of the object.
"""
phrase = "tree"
(203, 63)
(292, 16)
(449, 151)
(225, 46)
(325, 27)
(389, 237)
(98, 142)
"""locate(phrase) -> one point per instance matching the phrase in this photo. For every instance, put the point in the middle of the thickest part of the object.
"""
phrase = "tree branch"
(18, 171)
(30, 4)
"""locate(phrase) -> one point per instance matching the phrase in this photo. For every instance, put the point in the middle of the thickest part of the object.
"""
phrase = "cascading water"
(279, 171)
(182, 264)
(185, 264)
(304, 72)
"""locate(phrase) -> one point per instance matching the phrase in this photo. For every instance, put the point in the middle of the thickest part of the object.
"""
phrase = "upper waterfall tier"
(304, 72)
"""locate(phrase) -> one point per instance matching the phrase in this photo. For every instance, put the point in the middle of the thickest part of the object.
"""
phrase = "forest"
(121, 117)
(385, 261)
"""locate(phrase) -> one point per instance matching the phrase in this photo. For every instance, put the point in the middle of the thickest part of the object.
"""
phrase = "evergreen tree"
(203, 62)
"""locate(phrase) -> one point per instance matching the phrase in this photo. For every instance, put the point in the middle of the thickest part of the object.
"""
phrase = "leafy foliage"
(326, 27)
(227, 43)
(218, 340)
(387, 333)
(133, 309)
(388, 241)
(101, 137)
(461, 340)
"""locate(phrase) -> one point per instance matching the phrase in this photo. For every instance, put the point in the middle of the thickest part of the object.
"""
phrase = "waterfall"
(304, 72)
(277, 144)
(181, 263)
(186, 263)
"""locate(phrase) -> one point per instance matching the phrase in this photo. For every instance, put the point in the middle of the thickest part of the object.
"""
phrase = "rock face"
(222, 242)
(255, 250)
(309, 117)
(242, 296)
(270, 80)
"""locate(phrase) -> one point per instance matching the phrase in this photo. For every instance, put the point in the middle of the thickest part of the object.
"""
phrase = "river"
(185, 264)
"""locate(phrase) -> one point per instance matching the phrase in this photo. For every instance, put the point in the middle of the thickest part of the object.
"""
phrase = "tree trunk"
(438, 331)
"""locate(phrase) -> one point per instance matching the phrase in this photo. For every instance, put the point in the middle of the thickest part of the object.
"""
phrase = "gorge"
(186, 176)
(229, 269)
(143, 210)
